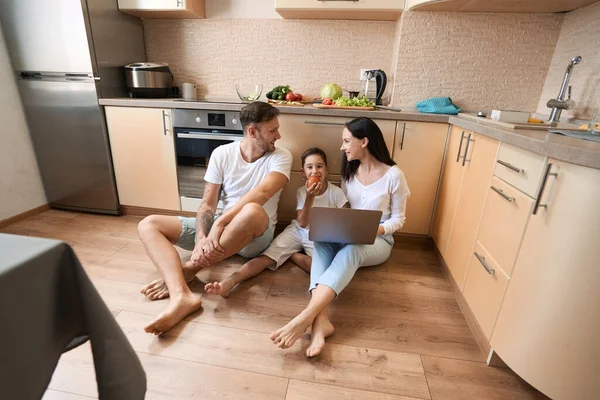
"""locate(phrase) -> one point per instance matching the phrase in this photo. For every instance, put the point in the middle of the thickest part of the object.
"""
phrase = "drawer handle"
(538, 199)
(462, 137)
(403, 132)
(501, 193)
(481, 259)
(469, 140)
(325, 123)
(510, 166)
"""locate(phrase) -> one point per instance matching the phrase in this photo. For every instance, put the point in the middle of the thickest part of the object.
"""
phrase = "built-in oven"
(197, 134)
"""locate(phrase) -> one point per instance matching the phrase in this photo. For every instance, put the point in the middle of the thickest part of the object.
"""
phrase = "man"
(250, 174)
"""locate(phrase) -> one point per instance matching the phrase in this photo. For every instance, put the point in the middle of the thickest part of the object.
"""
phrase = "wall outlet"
(363, 76)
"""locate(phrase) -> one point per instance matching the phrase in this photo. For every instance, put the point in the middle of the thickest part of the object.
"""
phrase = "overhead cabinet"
(384, 10)
(500, 6)
(163, 8)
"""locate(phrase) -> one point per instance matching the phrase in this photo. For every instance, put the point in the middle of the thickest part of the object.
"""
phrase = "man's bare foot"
(285, 337)
(222, 288)
(157, 289)
(179, 307)
(302, 260)
(321, 329)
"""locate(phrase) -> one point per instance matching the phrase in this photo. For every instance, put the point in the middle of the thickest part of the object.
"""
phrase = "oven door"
(193, 148)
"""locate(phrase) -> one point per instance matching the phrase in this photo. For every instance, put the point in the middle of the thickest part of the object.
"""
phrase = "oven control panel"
(207, 119)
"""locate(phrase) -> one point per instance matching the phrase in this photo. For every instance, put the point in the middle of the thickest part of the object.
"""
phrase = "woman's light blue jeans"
(334, 264)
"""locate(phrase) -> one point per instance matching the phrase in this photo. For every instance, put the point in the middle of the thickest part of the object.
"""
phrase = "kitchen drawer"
(287, 202)
(300, 132)
(484, 291)
(503, 223)
(521, 168)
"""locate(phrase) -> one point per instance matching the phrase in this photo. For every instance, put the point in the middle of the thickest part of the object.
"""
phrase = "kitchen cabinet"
(419, 151)
(548, 328)
(385, 10)
(477, 161)
(300, 132)
(163, 8)
(512, 6)
(143, 153)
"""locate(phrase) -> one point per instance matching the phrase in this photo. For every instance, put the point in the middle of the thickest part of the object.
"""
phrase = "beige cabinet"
(419, 151)
(143, 152)
(163, 8)
(548, 328)
(530, 6)
(387, 10)
(478, 161)
(451, 181)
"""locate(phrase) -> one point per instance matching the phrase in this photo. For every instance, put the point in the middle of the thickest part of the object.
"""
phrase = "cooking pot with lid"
(148, 79)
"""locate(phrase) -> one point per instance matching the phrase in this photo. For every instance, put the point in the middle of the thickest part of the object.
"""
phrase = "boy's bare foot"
(285, 337)
(302, 260)
(321, 329)
(157, 289)
(222, 288)
(179, 307)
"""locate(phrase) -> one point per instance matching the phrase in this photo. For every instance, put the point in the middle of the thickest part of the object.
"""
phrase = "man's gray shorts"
(253, 249)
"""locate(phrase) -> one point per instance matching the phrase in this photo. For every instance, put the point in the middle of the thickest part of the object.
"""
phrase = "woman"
(372, 181)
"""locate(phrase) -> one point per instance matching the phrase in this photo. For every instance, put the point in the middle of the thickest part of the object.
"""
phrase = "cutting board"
(343, 107)
(282, 104)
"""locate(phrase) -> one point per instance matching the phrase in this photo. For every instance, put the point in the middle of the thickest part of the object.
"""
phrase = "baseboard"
(23, 215)
(480, 338)
(145, 211)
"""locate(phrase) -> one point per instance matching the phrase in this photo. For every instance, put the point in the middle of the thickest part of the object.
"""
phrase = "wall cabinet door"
(548, 328)
(480, 152)
(452, 176)
(163, 8)
(418, 151)
(143, 152)
(387, 10)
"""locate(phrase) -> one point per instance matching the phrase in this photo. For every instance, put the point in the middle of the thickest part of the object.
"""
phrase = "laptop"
(343, 225)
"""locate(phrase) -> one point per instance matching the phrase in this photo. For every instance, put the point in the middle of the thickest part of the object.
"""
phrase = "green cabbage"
(332, 91)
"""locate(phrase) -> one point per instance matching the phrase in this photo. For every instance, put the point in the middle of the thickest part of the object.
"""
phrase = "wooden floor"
(400, 333)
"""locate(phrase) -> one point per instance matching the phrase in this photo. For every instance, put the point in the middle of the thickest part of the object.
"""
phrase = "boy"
(294, 238)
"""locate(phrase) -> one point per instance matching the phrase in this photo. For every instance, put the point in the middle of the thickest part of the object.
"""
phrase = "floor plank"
(58, 395)
(359, 368)
(300, 390)
(456, 379)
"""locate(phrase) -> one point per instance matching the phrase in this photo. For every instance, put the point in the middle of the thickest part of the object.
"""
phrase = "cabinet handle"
(501, 193)
(537, 204)
(462, 136)
(403, 132)
(510, 166)
(351, 1)
(165, 129)
(324, 123)
(481, 259)
(469, 140)
(179, 3)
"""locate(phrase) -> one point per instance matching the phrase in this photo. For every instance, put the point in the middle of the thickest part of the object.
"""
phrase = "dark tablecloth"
(47, 306)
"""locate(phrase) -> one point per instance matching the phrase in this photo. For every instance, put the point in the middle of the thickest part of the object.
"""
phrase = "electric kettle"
(380, 83)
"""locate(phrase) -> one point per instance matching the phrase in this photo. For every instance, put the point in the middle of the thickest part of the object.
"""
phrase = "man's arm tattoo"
(204, 222)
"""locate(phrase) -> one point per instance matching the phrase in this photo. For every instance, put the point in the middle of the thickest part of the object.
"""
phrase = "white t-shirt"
(388, 194)
(228, 168)
(333, 197)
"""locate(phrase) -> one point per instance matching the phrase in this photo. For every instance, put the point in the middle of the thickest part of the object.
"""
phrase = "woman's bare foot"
(157, 289)
(302, 260)
(321, 329)
(179, 307)
(222, 288)
(286, 337)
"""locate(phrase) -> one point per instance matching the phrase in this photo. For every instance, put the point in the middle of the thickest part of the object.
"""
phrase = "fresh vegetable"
(327, 101)
(298, 96)
(278, 92)
(360, 101)
(290, 96)
(332, 91)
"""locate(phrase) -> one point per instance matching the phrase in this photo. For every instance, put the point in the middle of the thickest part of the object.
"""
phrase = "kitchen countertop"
(573, 150)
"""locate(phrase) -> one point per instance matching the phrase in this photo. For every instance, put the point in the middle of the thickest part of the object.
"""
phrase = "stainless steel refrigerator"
(66, 54)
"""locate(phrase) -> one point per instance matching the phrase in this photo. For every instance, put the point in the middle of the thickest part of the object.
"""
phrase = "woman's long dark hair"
(365, 128)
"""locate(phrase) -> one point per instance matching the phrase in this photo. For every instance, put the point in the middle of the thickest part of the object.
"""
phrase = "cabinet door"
(418, 151)
(388, 10)
(548, 329)
(452, 176)
(163, 8)
(287, 202)
(300, 132)
(480, 153)
(143, 152)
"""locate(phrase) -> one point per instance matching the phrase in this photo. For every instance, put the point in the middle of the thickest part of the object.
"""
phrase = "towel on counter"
(438, 105)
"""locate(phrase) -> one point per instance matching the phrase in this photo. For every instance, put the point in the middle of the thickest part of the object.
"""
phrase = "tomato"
(290, 96)
(327, 101)
(298, 96)
(312, 180)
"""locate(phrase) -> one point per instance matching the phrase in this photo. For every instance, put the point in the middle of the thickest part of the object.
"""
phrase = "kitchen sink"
(510, 125)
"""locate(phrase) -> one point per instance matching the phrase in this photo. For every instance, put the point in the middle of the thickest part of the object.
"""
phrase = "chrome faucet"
(559, 104)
